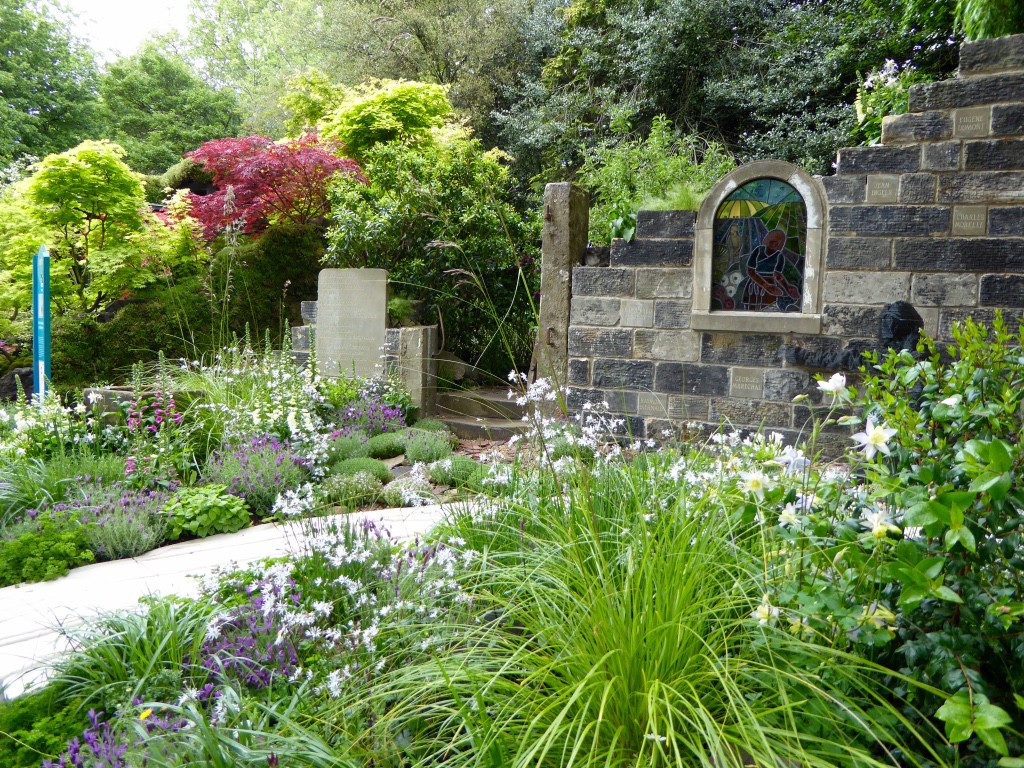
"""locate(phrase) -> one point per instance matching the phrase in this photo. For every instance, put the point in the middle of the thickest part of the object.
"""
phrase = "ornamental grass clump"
(623, 621)
(257, 470)
(426, 447)
(452, 471)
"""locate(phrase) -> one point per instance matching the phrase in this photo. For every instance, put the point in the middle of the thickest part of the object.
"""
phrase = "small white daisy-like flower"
(755, 482)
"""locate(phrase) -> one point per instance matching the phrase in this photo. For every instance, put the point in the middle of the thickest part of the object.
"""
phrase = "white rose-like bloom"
(874, 439)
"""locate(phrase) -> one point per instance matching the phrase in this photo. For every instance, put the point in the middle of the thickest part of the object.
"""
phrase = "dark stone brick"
(741, 349)
(858, 253)
(850, 321)
(590, 342)
(1001, 54)
(676, 378)
(890, 219)
(618, 401)
(672, 314)
(911, 128)
(625, 374)
(787, 383)
(844, 189)
(662, 430)
(997, 155)
(805, 418)
(579, 372)
(944, 156)
(1001, 186)
(917, 188)
(1002, 291)
(978, 254)
(975, 91)
(1008, 120)
(750, 413)
(950, 317)
(1006, 221)
(878, 159)
(818, 347)
(602, 281)
(652, 253)
(665, 224)
(308, 311)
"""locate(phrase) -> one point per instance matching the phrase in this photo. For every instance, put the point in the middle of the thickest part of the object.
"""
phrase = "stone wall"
(933, 216)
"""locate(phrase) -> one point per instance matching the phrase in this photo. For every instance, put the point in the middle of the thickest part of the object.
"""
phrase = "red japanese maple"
(258, 182)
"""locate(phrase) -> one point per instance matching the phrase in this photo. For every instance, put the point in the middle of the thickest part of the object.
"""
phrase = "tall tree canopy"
(157, 109)
(48, 99)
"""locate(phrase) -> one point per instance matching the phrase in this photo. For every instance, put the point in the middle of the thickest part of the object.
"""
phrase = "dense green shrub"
(53, 544)
(426, 446)
(37, 724)
(386, 445)
(439, 218)
(205, 510)
(374, 467)
(355, 490)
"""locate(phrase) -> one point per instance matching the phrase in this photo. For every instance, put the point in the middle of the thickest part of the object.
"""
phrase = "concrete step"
(484, 429)
(478, 403)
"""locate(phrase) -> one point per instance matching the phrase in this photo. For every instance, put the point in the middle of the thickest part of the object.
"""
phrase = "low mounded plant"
(374, 467)
(349, 446)
(426, 447)
(408, 491)
(356, 490)
(453, 471)
(387, 445)
(46, 547)
(125, 522)
(205, 510)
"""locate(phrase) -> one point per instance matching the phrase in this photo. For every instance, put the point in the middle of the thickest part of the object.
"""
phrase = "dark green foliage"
(374, 467)
(387, 445)
(426, 446)
(48, 82)
(205, 510)
(157, 109)
(453, 471)
(439, 218)
(54, 545)
(37, 725)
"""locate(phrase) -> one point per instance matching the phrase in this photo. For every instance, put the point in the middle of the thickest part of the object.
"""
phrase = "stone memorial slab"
(747, 383)
(883, 189)
(635, 313)
(970, 220)
(351, 321)
(971, 123)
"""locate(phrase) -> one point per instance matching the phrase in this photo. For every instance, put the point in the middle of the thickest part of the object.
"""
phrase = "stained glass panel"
(759, 248)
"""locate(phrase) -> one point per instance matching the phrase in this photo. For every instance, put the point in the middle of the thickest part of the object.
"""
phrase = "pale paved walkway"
(31, 614)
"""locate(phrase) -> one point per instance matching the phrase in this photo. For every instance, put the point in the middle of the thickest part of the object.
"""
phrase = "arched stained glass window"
(760, 237)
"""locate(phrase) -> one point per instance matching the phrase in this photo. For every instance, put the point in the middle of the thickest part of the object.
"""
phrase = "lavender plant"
(257, 470)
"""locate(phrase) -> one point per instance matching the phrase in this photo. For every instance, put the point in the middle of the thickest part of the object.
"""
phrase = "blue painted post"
(41, 320)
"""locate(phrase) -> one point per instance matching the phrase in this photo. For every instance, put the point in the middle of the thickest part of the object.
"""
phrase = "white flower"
(794, 461)
(879, 523)
(765, 613)
(874, 439)
(789, 517)
(755, 482)
(952, 400)
(835, 386)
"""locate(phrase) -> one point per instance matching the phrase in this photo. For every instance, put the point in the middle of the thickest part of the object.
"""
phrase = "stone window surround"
(808, 320)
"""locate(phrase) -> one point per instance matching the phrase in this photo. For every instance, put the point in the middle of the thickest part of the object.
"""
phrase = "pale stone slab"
(653, 405)
(747, 383)
(970, 220)
(883, 189)
(636, 313)
(351, 321)
(866, 287)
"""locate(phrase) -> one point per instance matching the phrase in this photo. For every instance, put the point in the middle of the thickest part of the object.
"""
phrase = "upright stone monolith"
(351, 321)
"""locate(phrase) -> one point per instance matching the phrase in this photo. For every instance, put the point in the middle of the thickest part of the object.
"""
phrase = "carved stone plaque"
(971, 123)
(969, 220)
(883, 189)
(747, 383)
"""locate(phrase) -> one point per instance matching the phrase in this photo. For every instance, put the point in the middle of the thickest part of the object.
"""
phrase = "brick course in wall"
(934, 216)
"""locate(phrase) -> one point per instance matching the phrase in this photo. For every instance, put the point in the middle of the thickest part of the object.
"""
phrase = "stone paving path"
(32, 615)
